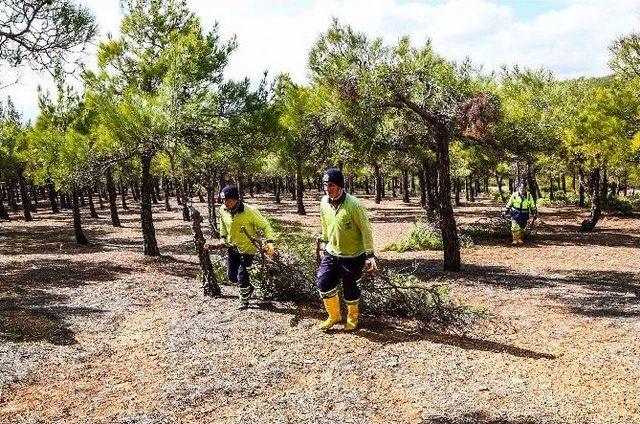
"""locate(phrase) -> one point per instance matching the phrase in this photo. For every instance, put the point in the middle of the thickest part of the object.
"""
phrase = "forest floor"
(101, 334)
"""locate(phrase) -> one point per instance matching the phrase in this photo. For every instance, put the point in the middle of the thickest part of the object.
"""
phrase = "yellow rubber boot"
(353, 311)
(516, 237)
(520, 237)
(332, 305)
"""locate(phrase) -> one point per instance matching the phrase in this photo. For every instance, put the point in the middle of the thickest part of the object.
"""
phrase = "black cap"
(334, 175)
(230, 192)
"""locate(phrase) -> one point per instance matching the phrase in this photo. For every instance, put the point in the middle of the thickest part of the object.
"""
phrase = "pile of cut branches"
(290, 275)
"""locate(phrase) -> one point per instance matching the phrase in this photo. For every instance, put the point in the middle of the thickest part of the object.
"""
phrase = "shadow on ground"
(592, 293)
(32, 307)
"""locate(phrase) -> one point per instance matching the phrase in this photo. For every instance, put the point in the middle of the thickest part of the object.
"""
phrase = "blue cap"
(334, 175)
(230, 192)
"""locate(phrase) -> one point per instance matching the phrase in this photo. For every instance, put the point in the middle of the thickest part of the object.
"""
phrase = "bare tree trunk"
(581, 184)
(167, 193)
(92, 207)
(299, 188)
(11, 197)
(422, 185)
(456, 187)
(100, 193)
(471, 189)
(123, 195)
(77, 222)
(26, 204)
(3, 212)
(34, 196)
(447, 219)
(499, 184)
(596, 206)
(276, 190)
(51, 190)
(378, 182)
(209, 281)
(431, 184)
(211, 206)
(146, 213)
(111, 194)
(405, 185)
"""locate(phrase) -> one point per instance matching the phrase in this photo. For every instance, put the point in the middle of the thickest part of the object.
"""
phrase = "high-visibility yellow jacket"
(249, 217)
(517, 203)
(346, 229)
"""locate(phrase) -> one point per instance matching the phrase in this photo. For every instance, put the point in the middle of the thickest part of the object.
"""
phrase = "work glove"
(370, 265)
(268, 248)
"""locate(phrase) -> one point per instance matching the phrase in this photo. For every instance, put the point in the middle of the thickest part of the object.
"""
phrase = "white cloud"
(276, 35)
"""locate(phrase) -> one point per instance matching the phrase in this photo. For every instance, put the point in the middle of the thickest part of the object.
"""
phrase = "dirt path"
(101, 334)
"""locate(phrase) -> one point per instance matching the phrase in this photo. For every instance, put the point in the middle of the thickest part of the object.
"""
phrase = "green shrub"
(425, 236)
(624, 205)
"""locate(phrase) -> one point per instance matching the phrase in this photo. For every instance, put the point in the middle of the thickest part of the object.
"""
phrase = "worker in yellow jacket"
(518, 208)
(238, 222)
(348, 240)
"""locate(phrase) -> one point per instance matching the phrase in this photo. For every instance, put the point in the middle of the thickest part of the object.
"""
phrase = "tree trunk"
(470, 187)
(299, 188)
(11, 197)
(405, 185)
(34, 196)
(123, 194)
(499, 185)
(276, 190)
(154, 198)
(604, 188)
(378, 182)
(211, 206)
(51, 190)
(456, 188)
(250, 184)
(447, 219)
(167, 193)
(393, 187)
(63, 201)
(581, 184)
(531, 183)
(3, 212)
(563, 182)
(111, 194)
(366, 185)
(26, 204)
(596, 206)
(209, 281)
(423, 189)
(551, 195)
(99, 192)
(179, 194)
(77, 222)
(146, 214)
(92, 207)
(431, 184)
(157, 190)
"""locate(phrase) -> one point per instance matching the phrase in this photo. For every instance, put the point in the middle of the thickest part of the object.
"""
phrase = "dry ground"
(101, 334)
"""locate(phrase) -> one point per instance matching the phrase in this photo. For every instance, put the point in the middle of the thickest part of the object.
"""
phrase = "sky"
(569, 37)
